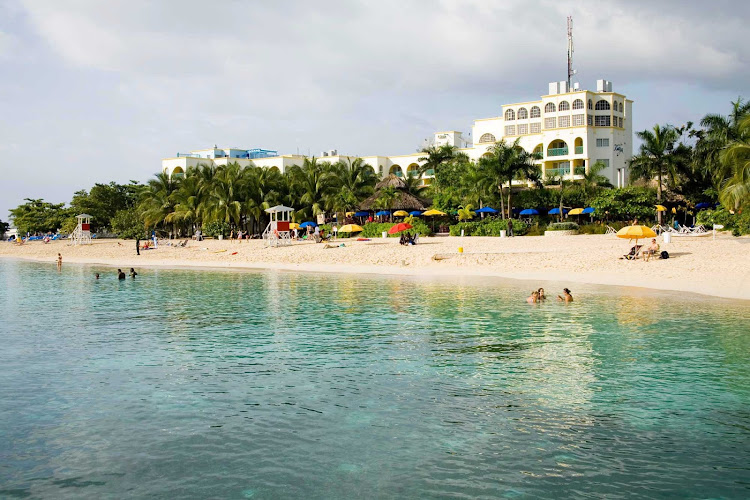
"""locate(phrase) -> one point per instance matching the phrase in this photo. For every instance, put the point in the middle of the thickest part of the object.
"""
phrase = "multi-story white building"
(571, 128)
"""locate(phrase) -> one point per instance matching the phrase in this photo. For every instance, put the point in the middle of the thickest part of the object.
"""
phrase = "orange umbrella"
(401, 226)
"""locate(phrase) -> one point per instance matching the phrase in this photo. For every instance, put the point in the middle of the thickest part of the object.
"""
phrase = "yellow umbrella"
(661, 208)
(293, 225)
(674, 210)
(351, 228)
(401, 213)
(635, 232)
(349, 214)
(433, 212)
(576, 211)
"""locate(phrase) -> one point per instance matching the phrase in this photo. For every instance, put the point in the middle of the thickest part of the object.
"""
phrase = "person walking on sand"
(138, 245)
(566, 296)
(59, 262)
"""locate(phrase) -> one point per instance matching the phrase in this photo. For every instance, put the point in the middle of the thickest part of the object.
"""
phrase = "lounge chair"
(633, 253)
(611, 230)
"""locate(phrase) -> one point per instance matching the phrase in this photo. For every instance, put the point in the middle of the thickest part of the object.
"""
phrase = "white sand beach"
(719, 267)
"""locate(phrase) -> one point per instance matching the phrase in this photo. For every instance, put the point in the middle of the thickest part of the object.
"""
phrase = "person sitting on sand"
(652, 249)
(133, 274)
(541, 295)
(566, 296)
(120, 274)
(533, 298)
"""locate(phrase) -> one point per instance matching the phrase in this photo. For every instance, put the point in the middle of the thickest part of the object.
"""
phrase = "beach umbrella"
(556, 211)
(351, 228)
(293, 225)
(588, 210)
(362, 213)
(703, 205)
(349, 214)
(576, 211)
(383, 213)
(636, 233)
(529, 211)
(433, 212)
(415, 213)
(486, 210)
(401, 213)
(661, 208)
(306, 224)
(397, 228)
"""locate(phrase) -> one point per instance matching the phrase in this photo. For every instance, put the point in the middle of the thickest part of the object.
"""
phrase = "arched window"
(510, 115)
(550, 107)
(578, 104)
(564, 106)
(620, 107)
(591, 104)
(602, 105)
(535, 112)
(487, 138)
(523, 113)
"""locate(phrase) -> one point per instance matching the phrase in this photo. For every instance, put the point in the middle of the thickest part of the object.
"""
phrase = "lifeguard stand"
(82, 233)
(277, 232)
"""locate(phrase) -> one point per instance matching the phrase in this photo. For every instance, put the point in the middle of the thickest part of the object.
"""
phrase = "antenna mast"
(570, 51)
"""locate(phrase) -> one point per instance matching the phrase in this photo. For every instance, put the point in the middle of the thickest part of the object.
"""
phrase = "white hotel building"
(572, 128)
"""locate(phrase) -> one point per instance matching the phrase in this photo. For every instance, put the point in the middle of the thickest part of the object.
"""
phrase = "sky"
(97, 91)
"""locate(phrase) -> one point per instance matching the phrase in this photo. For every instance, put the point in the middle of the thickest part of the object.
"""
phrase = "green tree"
(156, 202)
(593, 181)
(718, 131)
(735, 189)
(386, 198)
(3, 227)
(225, 201)
(505, 163)
(350, 183)
(39, 216)
(128, 224)
(104, 200)
(313, 181)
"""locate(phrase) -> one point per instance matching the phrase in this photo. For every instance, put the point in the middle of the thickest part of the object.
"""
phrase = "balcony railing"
(429, 171)
(557, 151)
(398, 173)
(579, 150)
(557, 172)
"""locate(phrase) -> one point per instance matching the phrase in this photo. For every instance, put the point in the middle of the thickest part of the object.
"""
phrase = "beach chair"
(610, 230)
(633, 253)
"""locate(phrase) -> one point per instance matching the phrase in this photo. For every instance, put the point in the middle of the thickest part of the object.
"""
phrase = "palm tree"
(735, 190)
(413, 185)
(565, 185)
(157, 202)
(386, 198)
(262, 188)
(593, 180)
(437, 156)
(465, 213)
(505, 163)
(718, 132)
(225, 202)
(350, 183)
(186, 201)
(313, 181)
(655, 158)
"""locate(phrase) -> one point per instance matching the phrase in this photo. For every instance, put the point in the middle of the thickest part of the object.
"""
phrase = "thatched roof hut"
(403, 201)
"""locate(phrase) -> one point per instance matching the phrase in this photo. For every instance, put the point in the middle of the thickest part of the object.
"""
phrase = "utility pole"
(570, 52)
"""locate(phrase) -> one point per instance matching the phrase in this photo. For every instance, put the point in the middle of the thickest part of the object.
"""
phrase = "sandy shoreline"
(718, 267)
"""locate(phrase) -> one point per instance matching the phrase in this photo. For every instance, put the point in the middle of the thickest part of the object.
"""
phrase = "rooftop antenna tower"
(570, 52)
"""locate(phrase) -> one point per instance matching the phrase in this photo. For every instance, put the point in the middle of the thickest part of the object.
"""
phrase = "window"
(614, 105)
(621, 108)
(549, 122)
(564, 121)
(523, 114)
(535, 112)
(523, 129)
(510, 130)
(620, 120)
(591, 104)
(590, 120)
(535, 128)
(564, 106)
(602, 121)
(578, 104)
(601, 105)
(510, 115)
(487, 138)
(550, 107)
(578, 120)
(603, 160)
(602, 143)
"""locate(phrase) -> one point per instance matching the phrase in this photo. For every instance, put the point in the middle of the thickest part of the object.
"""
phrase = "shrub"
(737, 223)
(562, 226)
(128, 224)
(216, 228)
(375, 229)
(488, 227)
(592, 229)
(536, 230)
(625, 203)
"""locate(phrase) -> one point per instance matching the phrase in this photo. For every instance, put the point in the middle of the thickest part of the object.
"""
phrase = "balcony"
(429, 171)
(557, 172)
(557, 151)
(398, 173)
(580, 171)
(579, 150)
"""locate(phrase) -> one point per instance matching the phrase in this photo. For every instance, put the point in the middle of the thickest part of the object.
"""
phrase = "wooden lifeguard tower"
(82, 233)
(277, 232)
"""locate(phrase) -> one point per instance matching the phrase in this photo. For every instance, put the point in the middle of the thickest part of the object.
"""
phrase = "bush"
(562, 226)
(737, 223)
(592, 229)
(375, 229)
(626, 203)
(216, 228)
(128, 224)
(488, 227)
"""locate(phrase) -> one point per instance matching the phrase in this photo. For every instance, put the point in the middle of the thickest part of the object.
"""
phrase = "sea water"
(259, 384)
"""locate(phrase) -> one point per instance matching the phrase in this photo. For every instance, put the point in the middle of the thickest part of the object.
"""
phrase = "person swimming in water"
(133, 274)
(120, 274)
(533, 298)
(541, 295)
(566, 296)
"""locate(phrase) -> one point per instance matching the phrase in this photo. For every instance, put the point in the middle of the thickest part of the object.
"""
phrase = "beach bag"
(664, 254)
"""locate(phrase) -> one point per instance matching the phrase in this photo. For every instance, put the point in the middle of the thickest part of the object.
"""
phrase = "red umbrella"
(401, 226)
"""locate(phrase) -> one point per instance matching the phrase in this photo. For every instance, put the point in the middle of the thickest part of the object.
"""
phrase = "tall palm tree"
(735, 190)
(437, 156)
(386, 198)
(225, 201)
(718, 132)
(350, 183)
(655, 158)
(157, 203)
(313, 181)
(413, 184)
(507, 162)
(592, 179)
(186, 199)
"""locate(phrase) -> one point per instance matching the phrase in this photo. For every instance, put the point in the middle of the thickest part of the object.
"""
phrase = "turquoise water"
(216, 384)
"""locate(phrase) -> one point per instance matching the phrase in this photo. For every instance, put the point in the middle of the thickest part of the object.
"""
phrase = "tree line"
(681, 166)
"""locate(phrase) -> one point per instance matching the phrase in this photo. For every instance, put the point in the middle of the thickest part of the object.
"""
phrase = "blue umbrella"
(306, 224)
(415, 213)
(362, 213)
(588, 210)
(701, 206)
(529, 211)
(556, 211)
(486, 210)
(382, 213)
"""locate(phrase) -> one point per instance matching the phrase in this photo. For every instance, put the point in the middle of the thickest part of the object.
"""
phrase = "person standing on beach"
(59, 262)
(138, 245)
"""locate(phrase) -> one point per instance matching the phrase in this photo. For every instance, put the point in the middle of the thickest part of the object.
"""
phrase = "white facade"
(572, 129)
